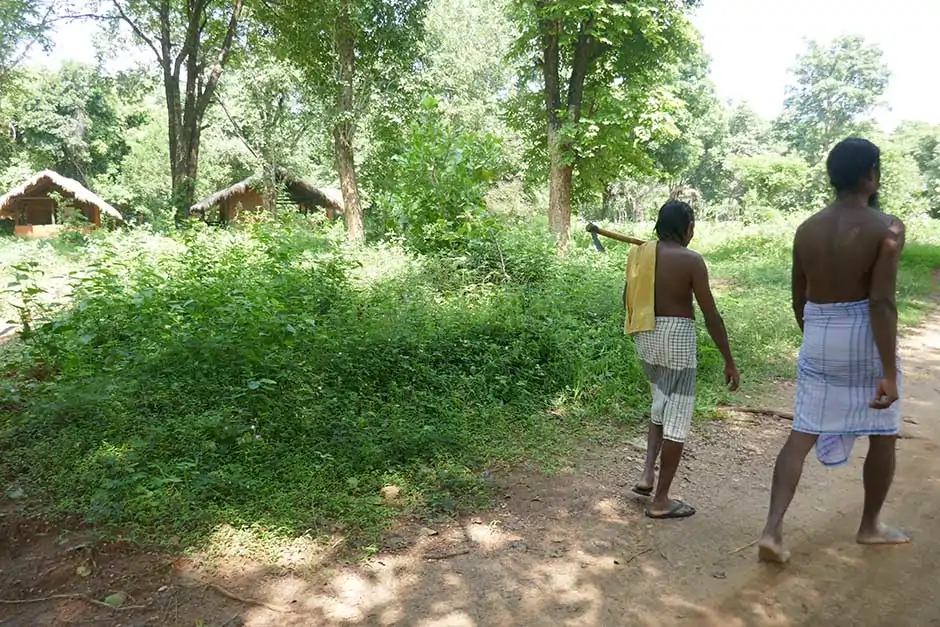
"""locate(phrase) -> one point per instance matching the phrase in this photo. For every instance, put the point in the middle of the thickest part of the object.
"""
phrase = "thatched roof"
(299, 191)
(70, 188)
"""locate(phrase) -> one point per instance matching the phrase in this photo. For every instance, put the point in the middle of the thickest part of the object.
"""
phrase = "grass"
(268, 380)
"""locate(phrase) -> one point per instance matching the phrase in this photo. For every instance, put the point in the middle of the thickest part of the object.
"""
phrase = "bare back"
(676, 268)
(836, 249)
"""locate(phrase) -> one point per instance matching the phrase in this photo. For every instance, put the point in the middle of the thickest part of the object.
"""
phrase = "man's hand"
(885, 395)
(732, 377)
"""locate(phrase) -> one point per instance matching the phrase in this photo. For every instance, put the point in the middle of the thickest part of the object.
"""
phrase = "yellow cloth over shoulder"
(641, 289)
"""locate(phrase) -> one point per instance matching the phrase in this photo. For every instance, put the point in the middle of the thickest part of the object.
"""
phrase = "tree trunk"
(561, 173)
(607, 200)
(186, 170)
(559, 197)
(344, 126)
(346, 166)
(185, 111)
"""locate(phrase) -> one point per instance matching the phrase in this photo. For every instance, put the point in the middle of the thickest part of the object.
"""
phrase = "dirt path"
(568, 550)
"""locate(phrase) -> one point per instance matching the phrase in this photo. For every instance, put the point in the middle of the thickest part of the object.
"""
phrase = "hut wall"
(45, 230)
(34, 210)
(42, 211)
(246, 201)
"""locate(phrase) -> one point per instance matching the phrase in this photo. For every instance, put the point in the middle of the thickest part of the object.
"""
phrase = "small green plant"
(26, 293)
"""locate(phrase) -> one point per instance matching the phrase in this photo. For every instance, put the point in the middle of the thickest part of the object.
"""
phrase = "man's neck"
(672, 242)
(852, 200)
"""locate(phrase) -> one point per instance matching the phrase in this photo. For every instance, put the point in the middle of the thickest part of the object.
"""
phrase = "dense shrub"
(433, 188)
(257, 377)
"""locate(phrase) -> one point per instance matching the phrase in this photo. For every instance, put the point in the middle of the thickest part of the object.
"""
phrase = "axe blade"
(597, 242)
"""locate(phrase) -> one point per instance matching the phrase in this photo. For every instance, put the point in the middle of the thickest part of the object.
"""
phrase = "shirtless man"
(845, 261)
(668, 353)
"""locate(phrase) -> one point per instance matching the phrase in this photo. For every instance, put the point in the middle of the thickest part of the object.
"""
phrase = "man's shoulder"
(811, 223)
(816, 218)
(680, 257)
(692, 259)
(893, 222)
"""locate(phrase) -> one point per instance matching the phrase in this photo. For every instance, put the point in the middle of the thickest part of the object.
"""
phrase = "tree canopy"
(835, 92)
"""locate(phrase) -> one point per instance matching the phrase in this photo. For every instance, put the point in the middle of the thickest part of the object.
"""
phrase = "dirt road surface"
(568, 550)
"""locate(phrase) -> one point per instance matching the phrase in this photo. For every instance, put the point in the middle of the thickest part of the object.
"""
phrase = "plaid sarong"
(837, 373)
(668, 356)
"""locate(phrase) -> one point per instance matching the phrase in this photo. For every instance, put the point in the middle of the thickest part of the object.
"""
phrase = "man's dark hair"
(675, 218)
(850, 162)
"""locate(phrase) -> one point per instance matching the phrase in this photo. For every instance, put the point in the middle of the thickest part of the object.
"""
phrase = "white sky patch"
(753, 43)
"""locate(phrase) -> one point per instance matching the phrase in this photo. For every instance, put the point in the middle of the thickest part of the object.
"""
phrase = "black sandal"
(678, 509)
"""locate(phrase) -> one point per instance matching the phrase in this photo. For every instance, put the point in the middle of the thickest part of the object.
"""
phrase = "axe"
(594, 230)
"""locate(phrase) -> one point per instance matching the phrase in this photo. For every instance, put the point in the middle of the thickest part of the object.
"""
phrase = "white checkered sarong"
(837, 373)
(668, 356)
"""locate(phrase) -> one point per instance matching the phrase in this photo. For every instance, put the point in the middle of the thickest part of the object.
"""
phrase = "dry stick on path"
(773, 413)
(73, 597)
(248, 601)
(445, 556)
(636, 555)
(742, 548)
(785, 415)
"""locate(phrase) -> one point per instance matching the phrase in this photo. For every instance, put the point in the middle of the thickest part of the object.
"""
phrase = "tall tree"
(348, 50)
(610, 49)
(748, 133)
(464, 54)
(192, 42)
(695, 155)
(921, 142)
(836, 90)
(75, 120)
(265, 107)
(23, 25)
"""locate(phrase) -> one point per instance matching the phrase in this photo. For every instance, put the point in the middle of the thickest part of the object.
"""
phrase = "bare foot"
(769, 550)
(883, 535)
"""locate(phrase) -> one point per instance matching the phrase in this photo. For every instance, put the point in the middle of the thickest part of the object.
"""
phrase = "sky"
(754, 43)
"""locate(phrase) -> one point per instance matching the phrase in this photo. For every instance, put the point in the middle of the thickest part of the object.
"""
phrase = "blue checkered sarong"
(837, 374)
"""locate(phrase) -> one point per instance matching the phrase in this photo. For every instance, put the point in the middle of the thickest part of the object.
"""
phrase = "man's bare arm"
(798, 288)
(900, 231)
(706, 302)
(882, 304)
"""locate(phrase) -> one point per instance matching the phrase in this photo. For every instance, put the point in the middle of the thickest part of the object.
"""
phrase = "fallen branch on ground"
(633, 557)
(741, 548)
(445, 556)
(74, 596)
(246, 600)
(773, 413)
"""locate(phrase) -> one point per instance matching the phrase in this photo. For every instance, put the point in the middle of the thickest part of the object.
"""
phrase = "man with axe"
(662, 277)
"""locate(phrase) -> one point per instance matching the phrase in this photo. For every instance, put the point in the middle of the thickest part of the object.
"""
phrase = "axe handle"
(616, 236)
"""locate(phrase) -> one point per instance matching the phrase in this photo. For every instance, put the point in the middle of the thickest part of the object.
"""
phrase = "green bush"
(251, 377)
(434, 189)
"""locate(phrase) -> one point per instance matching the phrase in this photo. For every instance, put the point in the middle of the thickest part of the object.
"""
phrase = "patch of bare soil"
(573, 549)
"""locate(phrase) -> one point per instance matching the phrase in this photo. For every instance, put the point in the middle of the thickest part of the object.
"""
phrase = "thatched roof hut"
(246, 196)
(34, 211)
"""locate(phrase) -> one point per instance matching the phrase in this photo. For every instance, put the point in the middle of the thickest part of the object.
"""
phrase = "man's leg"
(877, 475)
(668, 464)
(787, 472)
(654, 442)
(677, 419)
